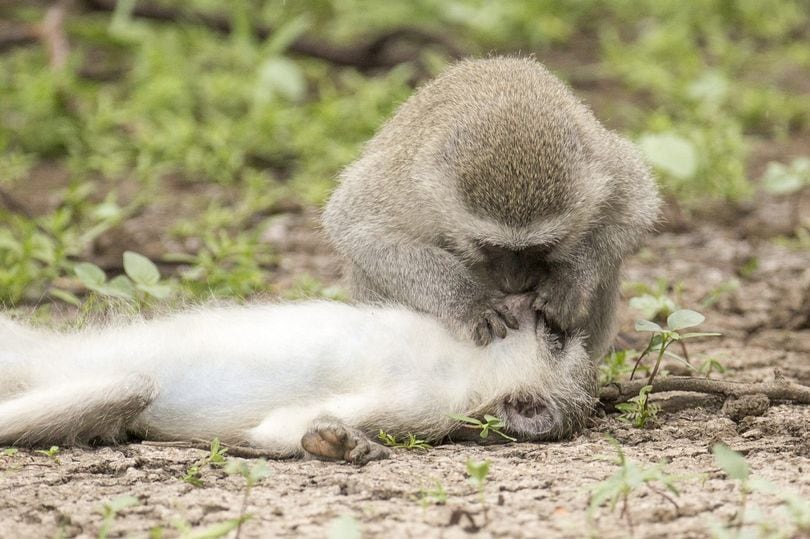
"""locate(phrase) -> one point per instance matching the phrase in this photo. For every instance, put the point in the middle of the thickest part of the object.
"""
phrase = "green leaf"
(466, 419)
(280, 76)
(783, 180)
(478, 471)
(90, 275)
(671, 154)
(118, 287)
(64, 295)
(494, 422)
(651, 306)
(646, 325)
(731, 462)
(693, 335)
(710, 87)
(159, 291)
(504, 435)
(140, 269)
(684, 318)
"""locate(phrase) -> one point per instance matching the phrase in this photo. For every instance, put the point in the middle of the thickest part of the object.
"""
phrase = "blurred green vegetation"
(151, 111)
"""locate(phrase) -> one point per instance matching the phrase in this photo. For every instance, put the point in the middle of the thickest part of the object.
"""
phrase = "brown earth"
(533, 490)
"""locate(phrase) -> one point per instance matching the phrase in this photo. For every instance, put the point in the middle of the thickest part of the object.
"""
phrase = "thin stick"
(775, 391)
(240, 451)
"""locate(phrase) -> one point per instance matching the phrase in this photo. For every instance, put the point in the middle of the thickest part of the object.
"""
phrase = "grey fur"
(496, 152)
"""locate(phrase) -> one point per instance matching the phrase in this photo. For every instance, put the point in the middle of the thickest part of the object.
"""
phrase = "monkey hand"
(563, 299)
(491, 320)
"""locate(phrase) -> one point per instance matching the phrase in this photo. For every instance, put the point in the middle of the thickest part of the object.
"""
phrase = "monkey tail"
(15, 341)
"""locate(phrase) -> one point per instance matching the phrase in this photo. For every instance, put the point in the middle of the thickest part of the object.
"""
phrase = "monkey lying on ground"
(314, 377)
(494, 179)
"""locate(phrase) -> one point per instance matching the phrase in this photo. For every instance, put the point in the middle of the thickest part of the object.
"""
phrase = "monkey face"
(512, 271)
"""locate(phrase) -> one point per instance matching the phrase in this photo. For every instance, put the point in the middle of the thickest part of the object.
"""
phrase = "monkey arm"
(431, 280)
(581, 292)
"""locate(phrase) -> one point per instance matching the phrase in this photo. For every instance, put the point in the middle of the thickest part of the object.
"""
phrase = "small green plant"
(737, 469)
(638, 411)
(627, 480)
(672, 154)
(615, 365)
(748, 267)
(792, 179)
(142, 279)
(436, 495)
(252, 475)
(654, 302)
(193, 476)
(216, 457)
(10, 451)
(799, 242)
(795, 509)
(662, 338)
(478, 472)
(411, 442)
(111, 509)
(710, 365)
(490, 424)
(719, 291)
(52, 453)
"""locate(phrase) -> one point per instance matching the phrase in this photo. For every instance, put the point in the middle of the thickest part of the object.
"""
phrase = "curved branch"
(775, 391)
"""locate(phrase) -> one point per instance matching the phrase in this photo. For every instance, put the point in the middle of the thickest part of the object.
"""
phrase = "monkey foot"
(334, 441)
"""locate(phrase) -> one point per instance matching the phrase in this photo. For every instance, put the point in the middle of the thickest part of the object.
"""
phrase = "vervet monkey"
(494, 179)
(317, 377)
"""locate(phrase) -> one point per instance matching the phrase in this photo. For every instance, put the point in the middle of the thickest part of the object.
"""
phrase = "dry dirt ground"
(533, 490)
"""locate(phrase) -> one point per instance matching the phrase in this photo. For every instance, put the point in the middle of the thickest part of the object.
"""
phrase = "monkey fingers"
(331, 440)
(493, 322)
(509, 319)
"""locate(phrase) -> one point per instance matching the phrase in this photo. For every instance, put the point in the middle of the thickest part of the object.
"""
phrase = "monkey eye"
(536, 252)
(492, 251)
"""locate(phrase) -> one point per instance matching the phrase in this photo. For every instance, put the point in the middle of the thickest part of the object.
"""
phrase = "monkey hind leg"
(75, 412)
(330, 439)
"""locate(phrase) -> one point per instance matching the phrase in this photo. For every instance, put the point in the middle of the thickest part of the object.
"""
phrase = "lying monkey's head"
(558, 402)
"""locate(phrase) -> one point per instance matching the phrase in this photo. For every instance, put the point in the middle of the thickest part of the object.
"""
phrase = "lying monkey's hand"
(492, 321)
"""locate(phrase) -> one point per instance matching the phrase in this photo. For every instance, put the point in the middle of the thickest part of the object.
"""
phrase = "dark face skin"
(512, 271)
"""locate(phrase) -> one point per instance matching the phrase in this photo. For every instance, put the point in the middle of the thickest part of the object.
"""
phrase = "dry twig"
(781, 390)
(240, 451)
